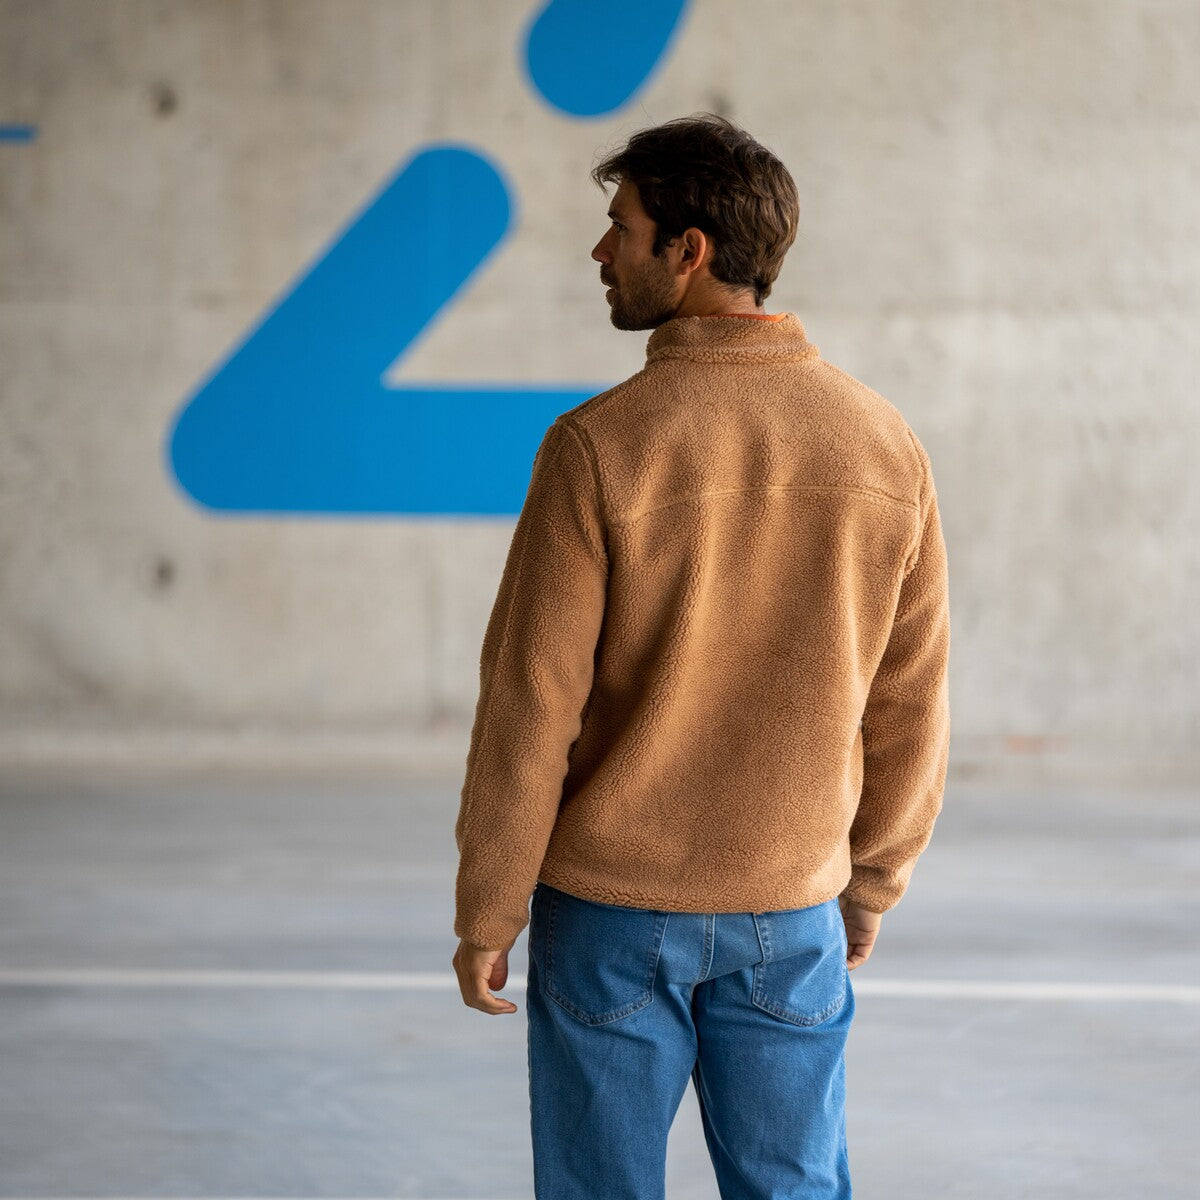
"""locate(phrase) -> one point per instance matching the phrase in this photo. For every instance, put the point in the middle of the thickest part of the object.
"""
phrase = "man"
(712, 730)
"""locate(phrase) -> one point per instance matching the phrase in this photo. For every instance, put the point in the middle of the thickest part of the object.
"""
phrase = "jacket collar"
(730, 339)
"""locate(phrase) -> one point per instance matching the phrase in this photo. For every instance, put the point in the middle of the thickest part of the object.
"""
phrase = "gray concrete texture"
(1000, 233)
(224, 988)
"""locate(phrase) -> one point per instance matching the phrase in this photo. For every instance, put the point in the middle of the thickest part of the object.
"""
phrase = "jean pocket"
(802, 978)
(600, 959)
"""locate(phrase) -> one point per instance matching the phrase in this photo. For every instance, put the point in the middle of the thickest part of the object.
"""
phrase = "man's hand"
(862, 927)
(478, 970)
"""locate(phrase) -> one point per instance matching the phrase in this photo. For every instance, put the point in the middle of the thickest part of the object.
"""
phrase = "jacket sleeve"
(906, 727)
(535, 675)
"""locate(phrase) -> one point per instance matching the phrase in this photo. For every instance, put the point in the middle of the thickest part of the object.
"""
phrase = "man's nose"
(600, 254)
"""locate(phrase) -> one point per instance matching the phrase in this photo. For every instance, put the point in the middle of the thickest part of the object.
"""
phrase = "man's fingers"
(857, 956)
(862, 930)
(478, 996)
(478, 971)
(483, 996)
(493, 1004)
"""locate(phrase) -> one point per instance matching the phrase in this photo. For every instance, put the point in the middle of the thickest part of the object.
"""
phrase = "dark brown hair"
(705, 171)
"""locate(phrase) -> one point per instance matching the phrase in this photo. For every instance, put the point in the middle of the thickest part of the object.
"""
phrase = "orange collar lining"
(752, 316)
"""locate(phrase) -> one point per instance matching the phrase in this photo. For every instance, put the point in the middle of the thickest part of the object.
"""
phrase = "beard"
(644, 300)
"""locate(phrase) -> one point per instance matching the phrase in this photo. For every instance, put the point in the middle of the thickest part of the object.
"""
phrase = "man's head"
(702, 218)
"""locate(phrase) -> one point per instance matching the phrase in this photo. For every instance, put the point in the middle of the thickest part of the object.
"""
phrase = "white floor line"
(987, 989)
(408, 981)
(371, 981)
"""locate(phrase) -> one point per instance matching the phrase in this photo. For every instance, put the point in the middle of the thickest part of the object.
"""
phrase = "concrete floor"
(128, 1068)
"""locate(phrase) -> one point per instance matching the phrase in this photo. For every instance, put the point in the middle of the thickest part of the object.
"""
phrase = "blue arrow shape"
(297, 417)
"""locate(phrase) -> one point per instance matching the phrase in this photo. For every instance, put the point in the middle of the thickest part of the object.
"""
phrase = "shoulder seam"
(914, 553)
(589, 452)
(867, 493)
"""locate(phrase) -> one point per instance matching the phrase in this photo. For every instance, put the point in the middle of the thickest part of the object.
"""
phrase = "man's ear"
(694, 248)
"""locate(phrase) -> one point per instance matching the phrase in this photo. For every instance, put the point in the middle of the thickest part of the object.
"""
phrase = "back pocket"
(600, 959)
(802, 978)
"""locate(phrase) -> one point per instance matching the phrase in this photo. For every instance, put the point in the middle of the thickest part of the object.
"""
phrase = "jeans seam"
(760, 1001)
(759, 998)
(652, 958)
(710, 937)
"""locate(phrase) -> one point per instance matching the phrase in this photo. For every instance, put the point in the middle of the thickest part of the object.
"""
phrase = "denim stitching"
(787, 1014)
(764, 931)
(706, 954)
(758, 994)
(625, 1010)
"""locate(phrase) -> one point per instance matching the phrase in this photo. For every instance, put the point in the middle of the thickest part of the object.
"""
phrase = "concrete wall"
(1000, 233)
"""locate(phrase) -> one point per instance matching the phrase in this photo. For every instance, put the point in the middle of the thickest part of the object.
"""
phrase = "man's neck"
(719, 302)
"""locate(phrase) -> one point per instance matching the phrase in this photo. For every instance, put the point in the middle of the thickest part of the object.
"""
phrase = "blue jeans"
(626, 1004)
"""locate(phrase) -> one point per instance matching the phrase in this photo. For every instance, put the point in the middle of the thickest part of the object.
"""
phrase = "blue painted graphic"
(17, 133)
(588, 58)
(298, 417)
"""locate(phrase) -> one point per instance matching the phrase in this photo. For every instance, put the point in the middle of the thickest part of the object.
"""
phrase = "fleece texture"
(715, 675)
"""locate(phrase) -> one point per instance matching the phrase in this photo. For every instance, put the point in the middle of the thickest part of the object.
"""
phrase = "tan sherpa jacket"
(715, 675)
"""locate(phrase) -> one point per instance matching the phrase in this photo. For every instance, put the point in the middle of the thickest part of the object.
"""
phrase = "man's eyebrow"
(615, 214)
